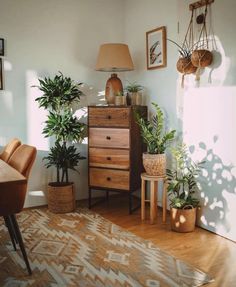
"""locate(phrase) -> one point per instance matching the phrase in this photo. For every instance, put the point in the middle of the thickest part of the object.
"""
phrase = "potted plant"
(157, 139)
(134, 93)
(182, 184)
(58, 95)
(184, 64)
(120, 99)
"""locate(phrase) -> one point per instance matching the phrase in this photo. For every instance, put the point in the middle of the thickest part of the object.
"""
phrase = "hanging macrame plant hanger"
(184, 64)
(201, 56)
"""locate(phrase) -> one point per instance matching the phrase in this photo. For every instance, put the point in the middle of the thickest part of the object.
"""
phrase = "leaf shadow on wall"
(217, 185)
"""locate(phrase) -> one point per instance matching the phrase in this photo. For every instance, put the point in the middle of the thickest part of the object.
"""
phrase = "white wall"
(42, 38)
(205, 113)
(209, 122)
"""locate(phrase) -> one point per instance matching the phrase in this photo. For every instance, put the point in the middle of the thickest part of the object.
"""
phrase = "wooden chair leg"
(10, 231)
(21, 243)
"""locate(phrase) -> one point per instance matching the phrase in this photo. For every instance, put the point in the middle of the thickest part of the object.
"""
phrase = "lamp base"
(113, 87)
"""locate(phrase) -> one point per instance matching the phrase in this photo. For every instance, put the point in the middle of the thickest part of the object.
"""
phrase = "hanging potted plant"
(182, 185)
(157, 140)
(184, 64)
(58, 95)
(201, 56)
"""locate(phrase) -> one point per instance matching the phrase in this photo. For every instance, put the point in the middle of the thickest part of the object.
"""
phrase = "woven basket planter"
(61, 198)
(185, 66)
(201, 58)
(154, 164)
(183, 220)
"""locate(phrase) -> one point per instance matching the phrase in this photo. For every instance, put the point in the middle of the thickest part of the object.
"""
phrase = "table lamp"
(114, 57)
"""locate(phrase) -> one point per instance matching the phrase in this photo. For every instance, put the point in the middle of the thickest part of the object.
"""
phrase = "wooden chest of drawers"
(114, 149)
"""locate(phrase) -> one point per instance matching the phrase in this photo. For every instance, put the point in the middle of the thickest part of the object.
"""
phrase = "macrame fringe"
(182, 81)
(197, 78)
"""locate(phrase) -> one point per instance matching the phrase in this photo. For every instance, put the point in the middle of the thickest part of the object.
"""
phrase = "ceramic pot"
(139, 99)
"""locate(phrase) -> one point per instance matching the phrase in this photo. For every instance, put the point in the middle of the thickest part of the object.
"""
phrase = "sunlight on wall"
(7, 66)
(35, 115)
(209, 128)
(6, 102)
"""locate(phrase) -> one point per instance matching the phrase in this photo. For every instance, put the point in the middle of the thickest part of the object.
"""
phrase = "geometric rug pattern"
(84, 249)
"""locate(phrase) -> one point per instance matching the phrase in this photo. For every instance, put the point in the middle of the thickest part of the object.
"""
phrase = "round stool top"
(146, 176)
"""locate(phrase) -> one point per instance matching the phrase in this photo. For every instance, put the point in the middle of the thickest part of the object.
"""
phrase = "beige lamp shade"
(114, 57)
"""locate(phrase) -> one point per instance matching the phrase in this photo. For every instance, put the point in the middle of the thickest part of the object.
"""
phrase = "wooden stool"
(153, 196)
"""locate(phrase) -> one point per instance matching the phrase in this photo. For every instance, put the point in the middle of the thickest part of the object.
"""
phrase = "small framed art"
(1, 78)
(156, 48)
(1, 47)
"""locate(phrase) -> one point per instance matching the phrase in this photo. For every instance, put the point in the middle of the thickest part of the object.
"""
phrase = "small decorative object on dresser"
(115, 150)
(157, 140)
(134, 94)
(114, 57)
(120, 99)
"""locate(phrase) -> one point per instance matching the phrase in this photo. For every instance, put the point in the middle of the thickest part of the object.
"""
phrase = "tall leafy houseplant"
(182, 185)
(157, 140)
(58, 95)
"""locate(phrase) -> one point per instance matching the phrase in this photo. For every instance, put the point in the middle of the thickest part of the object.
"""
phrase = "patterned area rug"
(84, 249)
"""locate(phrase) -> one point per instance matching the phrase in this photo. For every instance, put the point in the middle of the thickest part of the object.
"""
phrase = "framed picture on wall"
(156, 48)
(1, 71)
(1, 47)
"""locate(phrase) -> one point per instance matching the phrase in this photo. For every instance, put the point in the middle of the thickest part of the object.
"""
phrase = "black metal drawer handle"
(108, 179)
(108, 158)
(109, 117)
(108, 138)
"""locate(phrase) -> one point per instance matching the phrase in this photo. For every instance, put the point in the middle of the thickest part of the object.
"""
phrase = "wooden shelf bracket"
(199, 4)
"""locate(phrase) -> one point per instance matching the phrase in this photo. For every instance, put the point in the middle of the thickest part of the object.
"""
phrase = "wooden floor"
(202, 249)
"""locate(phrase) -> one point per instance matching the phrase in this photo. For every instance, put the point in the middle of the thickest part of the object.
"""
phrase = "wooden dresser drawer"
(109, 138)
(109, 178)
(108, 117)
(110, 158)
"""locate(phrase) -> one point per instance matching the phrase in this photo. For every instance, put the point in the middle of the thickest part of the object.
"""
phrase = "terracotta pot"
(201, 58)
(183, 220)
(154, 164)
(185, 66)
(61, 198)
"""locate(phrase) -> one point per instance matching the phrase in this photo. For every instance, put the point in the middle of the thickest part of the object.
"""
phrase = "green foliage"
(153, 132)
(65, 127)
(182, 182)
(133, 87)
(119, 94)
(58, 92)
(58, 95)
(63, 157)
(185, 51)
